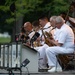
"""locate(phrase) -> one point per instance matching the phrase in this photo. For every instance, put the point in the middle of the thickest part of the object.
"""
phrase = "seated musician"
(68, 20)
(33, 34)
(64, 41)
(29, 29)
(72, 9)
(36, 28)
(26, 33)
(22, 35)
(45, 27)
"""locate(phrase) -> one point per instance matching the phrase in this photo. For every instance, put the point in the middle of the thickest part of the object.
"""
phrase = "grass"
(4, 40)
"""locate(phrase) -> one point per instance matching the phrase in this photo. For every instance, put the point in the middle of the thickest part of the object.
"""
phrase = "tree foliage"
(29, 10)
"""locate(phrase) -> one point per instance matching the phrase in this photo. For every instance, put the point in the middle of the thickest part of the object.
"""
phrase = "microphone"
(25, 62)
(35, 36)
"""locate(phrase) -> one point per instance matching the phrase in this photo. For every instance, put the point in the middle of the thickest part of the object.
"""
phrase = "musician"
(72, 9)
(64, 40)
(29, 32)
(36, 27)
(68, 20)
(28, 27)
(42, 58)
(46, 26)
(22, 34)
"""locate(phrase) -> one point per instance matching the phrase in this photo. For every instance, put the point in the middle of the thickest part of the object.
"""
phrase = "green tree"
(28, 10)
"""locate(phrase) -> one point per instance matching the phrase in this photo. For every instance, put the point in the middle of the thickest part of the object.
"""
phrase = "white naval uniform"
(42, 58)
(47, 28)
(65, 36)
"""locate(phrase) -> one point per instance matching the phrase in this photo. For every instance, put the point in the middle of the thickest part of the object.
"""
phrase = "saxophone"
(48, 36)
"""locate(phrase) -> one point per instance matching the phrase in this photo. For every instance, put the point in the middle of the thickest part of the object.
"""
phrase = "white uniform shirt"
(47, 28)
(31, 34)
(65, 36)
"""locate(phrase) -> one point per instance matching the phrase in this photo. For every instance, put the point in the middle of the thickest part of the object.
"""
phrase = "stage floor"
(70, 72)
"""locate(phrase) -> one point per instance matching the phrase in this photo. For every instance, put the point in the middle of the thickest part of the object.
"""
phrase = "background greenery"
(5, 40)
(27, 10)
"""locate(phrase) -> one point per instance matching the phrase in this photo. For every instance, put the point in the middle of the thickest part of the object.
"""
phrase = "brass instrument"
(36, 43)
(48, 36)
